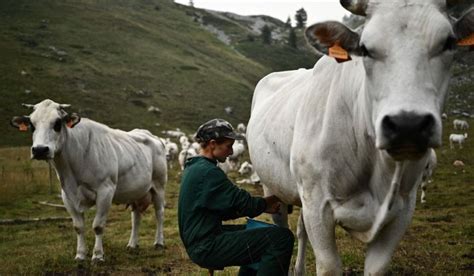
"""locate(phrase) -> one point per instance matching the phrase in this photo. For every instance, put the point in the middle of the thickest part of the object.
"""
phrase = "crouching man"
(207, 197)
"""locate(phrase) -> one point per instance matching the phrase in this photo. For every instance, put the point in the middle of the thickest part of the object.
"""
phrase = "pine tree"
(301, 17)
(266, 35)
(288, 22)
(292, 38)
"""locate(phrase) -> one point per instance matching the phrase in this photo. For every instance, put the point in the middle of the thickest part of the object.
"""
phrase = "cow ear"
(334, 39)
(21, 122)
(72, 120)
(464, 29)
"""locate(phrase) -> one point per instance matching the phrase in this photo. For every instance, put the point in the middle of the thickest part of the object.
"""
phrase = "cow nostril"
(427, 122)
(389, 124)
(408, 128)
(40, 152)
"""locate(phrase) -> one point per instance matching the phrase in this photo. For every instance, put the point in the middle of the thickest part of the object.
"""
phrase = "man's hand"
(273, 204)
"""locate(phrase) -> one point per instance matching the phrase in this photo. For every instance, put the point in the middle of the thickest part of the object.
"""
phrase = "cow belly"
(131, 190)
(275, 174)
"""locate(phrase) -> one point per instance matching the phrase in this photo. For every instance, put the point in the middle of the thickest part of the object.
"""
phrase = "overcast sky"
(317, 10)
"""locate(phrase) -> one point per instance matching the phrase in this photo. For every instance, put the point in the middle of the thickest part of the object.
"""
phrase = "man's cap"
(216, 128)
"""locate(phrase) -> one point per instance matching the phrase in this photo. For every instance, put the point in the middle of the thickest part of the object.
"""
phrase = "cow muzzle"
(408, 135)
(40, 153)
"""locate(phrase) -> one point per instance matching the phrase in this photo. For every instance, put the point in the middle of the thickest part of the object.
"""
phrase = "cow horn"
(357, 7)
(62, 106)
(28, 105)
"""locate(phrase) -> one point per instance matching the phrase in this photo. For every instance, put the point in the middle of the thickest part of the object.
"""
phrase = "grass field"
(440, 240)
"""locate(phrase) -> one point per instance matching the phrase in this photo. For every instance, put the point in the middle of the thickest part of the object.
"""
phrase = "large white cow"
(97, 165)
(349, 141)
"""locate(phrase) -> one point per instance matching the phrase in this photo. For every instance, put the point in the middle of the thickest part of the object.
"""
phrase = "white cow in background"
(457, 138)
(427, 174)
(98, 165)
(185, 154)
(349, 141)
(246, 169)
(171, 151)
(238, 149)
(241, 128)
(173, 133)
(460, 124)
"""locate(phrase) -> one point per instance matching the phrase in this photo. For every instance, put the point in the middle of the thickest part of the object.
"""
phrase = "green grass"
(438, 242)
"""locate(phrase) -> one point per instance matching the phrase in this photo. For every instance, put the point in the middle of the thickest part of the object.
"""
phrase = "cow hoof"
(98, 260)
(159, 247)
(133, 250)
(80, 258)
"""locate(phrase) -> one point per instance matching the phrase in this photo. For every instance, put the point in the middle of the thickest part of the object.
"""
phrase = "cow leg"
(320, 227)
(302, 242)
(79, 226)
(103, 203)
(136, 219)
(158, 198)
(380, 250)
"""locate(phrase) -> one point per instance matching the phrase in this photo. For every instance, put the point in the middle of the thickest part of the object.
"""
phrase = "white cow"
(171, 151)
(173, 133)
(238, 149)
(98, 165)
(247, 169)
(185, 154)
(241, 128)
(460, 124)
(457, 138)
(349, 141)
(427, 174)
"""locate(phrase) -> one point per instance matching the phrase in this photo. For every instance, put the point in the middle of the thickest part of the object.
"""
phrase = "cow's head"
(48, 123)
(406, 48)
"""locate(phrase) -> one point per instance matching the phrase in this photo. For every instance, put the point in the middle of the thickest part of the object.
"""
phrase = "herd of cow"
(349, 142)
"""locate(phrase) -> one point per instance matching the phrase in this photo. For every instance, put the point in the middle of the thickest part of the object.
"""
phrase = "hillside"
(112, 60)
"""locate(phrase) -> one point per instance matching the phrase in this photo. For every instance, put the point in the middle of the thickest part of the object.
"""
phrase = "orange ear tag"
(23, 127)
(339, 53)
(468, 41)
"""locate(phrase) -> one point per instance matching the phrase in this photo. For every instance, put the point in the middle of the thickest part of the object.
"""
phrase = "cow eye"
(449, 44)
(32, 127)
(364, 52)
(57, 125)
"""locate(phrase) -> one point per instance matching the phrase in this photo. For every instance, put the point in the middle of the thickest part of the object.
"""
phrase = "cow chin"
(407, 152)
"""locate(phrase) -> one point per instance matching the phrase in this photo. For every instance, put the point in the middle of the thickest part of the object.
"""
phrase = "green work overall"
(207, 197)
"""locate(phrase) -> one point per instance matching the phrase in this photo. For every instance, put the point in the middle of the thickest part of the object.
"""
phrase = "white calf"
(457, 138)
(460, 124)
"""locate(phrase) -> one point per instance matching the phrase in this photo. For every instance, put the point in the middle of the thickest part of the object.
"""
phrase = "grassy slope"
(113, 51)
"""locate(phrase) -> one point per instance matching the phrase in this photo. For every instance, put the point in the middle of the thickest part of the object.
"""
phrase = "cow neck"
(63, 166)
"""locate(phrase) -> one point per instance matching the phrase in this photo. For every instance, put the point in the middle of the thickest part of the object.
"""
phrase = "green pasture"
(440, 240)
